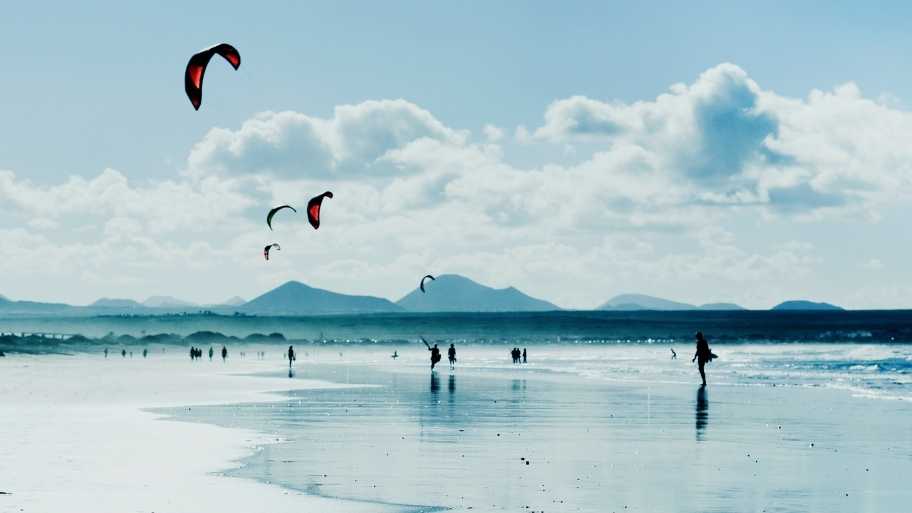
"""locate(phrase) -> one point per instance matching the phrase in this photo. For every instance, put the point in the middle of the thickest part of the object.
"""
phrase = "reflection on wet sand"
(702, 413)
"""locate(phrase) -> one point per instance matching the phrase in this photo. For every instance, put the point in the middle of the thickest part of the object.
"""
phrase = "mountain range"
(448, 293)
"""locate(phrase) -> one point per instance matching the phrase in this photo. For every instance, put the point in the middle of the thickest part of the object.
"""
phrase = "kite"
(269, 247)
(196, 68)
(421, 286)
(313, 208)
(272, 213)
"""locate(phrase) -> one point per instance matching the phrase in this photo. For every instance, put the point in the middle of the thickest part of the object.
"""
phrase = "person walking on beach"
(435, 353)
(674, 355)
(224, 353)
(106, 352)
(291, 357)
(451, 354)
(524, 356)
(145, 352)
(702, 355)
(123, 353)
(210, 353)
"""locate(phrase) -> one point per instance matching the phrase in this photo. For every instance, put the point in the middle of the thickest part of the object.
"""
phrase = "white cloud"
(734, 143)
(354, 142)
(493, 133)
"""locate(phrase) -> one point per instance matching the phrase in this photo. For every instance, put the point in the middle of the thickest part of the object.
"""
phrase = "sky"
(702, 152)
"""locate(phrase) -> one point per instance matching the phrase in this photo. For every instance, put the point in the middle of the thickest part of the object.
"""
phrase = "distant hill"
(632, 302)
(721, 306)
(455, 293)
(233, 301)
(166, 302)
(296, 298)
(798, 304)
(107, 302)
(643, 302)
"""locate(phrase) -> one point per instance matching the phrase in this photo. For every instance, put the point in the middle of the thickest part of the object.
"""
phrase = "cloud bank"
(651, 196)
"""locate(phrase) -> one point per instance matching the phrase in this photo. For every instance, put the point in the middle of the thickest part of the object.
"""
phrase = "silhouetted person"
(451, 354)
(291, 356)
(702, 355)
(224, 353)
(674, 355)
(435, 356)
(210, 352)
(123, 353)
(145, 352)
(106, 352)
(524, 356)
(394, 355)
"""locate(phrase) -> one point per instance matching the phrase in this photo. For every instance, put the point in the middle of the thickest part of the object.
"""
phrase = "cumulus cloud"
(354, 142)
(735, 144)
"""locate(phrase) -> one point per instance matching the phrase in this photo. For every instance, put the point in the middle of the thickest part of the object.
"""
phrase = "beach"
(517, 438)
(576, 429)
(76, 437)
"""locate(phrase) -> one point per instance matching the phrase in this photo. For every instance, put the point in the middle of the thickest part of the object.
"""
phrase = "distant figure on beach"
(435, 353)
(192, 352)
(106, 352)
(210, 352)
(451, 354)
(702, 355)
(145, 352)
(516, 354)
(524, 356)
(123, 353)
(224, 353)
(674, 355)
(291, 356)
(394, 355)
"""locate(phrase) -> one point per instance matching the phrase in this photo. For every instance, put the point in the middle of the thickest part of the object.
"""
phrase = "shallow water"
(602, 429)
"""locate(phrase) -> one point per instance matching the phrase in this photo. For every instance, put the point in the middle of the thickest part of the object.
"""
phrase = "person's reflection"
(702, 413)
(451, 385)
(435, 385)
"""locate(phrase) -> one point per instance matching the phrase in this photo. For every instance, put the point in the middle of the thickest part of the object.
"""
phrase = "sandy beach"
(76, 437)
(577, 429)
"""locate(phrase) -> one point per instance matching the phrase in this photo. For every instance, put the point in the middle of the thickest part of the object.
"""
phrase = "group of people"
(435, 355)
(196, 352)
(518, 356)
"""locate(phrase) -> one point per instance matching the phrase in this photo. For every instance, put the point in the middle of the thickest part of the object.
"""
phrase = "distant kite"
(421, 286)
(272, 214)
(196, 68)
(313, 208)
(269, 247)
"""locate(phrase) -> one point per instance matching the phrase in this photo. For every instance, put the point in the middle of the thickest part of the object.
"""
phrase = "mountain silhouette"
(233, 301)
(632, 302)
(296, 298)
(166, 302)
(800, 304)
(107, 302)
(455, 293)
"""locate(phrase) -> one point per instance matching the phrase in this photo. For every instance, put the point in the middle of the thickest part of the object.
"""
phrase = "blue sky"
(99, 86)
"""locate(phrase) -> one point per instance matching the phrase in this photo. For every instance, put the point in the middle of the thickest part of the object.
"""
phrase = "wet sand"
(75, 437)
(520, 440)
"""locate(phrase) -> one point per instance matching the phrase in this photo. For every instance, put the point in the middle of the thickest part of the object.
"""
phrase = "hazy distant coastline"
(448, 293)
